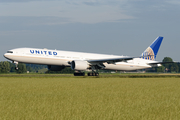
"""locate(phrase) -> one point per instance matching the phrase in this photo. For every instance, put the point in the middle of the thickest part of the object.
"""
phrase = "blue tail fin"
(153, 49)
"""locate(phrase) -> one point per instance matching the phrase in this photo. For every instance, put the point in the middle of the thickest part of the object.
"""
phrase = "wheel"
(97, 74)
(89, 74)
(93, 74)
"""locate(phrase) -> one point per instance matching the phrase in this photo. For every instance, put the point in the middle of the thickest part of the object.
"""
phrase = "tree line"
(8, 67)
(166, 68)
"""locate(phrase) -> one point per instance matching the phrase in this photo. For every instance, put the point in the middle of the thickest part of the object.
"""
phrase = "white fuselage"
(63, 58)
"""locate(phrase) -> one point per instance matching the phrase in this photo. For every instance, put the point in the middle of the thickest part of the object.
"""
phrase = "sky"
(118, 27)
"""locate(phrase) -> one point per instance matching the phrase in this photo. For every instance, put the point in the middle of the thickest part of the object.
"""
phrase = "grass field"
(89, 98)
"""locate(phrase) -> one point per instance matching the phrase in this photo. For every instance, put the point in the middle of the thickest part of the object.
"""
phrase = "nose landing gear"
(16, 63)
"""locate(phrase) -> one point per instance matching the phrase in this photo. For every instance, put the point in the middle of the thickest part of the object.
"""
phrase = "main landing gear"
(79, 74)
(83, 74)
(93, 74)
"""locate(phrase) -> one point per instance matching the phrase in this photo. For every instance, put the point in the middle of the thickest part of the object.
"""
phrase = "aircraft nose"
(5, 55)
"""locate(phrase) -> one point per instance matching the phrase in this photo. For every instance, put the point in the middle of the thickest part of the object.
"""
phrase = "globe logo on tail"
(149, 54)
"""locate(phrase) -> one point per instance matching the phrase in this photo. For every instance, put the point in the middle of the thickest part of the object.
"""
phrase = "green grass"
(102, 75)
(89, 98)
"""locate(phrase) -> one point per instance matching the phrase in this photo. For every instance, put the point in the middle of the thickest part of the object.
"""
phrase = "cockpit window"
(9, 51)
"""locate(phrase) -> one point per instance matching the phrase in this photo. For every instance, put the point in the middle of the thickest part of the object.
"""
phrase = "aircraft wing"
(111, 60)
(114, 60)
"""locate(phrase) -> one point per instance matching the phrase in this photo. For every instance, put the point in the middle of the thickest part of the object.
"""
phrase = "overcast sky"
(119, 27)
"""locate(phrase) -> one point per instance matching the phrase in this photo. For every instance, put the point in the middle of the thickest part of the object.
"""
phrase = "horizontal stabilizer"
(154, 63)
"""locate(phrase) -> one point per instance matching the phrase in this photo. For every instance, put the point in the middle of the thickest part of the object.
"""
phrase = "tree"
(21, 68)
(174, 68)
(4, 67)
(66, 70)
(161, 69)
(29, 68)
(12, 67)
(34, 67)
(168, 66)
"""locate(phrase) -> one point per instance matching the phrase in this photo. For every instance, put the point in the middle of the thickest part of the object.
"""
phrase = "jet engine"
(55, 67)
(79, 65)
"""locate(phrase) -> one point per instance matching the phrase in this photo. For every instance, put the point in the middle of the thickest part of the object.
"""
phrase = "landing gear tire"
(79, 74)
(93, 74)
(89, 74)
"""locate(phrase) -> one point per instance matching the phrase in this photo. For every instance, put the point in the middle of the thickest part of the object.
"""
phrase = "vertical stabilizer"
(153, 49)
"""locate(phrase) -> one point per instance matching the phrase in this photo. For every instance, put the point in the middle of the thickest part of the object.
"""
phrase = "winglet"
(153, 49)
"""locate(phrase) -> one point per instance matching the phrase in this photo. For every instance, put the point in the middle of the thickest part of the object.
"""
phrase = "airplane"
(57, 60)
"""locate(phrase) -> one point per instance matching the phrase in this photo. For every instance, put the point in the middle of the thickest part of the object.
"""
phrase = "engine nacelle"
(79, 65)
(55, 67)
